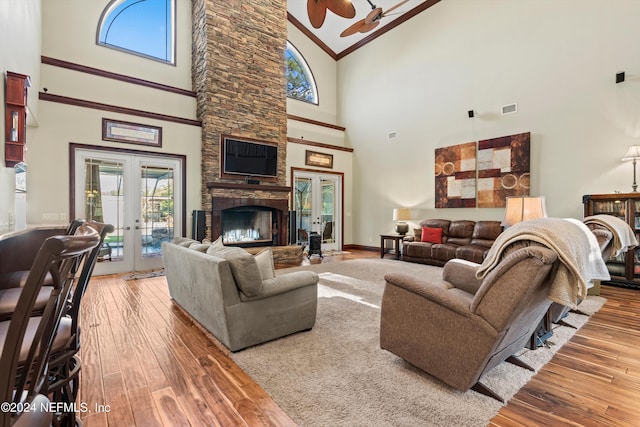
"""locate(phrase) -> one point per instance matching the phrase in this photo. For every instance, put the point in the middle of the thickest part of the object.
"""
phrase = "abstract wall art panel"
(455, 170)
(503, 169)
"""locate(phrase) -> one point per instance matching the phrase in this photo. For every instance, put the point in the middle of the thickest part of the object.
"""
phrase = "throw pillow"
(200, 247)
(218, 242)
(244, 268)
(264, 258)
(431, 235)
(417, 234)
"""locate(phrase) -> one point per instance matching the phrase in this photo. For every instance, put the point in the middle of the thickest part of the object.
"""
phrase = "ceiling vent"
(509, 109)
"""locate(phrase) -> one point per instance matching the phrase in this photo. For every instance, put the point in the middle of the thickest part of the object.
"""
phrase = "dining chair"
(27, 339)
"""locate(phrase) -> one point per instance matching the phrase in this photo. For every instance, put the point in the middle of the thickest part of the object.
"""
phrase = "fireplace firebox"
(248, 222)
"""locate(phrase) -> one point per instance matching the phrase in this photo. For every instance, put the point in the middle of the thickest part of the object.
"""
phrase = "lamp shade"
(524, 208)
(401, 214)
(633, 153)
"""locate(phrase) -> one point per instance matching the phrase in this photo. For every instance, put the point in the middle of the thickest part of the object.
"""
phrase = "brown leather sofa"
(462, 239)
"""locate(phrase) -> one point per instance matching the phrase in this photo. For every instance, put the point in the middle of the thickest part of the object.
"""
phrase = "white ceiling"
(333, 24)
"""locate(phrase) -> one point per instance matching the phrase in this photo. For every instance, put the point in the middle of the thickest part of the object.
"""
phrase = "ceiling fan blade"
(374, 15)
(368, 27)
(355, 28)
(342, 8)
(317, 11)
(394, 7)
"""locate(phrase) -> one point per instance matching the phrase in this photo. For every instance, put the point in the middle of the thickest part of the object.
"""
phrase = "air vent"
(509, 109)
(392, 135)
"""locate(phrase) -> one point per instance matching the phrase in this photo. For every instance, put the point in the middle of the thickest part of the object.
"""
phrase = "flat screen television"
(249, 157)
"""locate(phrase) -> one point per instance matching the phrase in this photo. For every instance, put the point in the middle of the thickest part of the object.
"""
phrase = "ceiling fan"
(317, 10)
(371, 20)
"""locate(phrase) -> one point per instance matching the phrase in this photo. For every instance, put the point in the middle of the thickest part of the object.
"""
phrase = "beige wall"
(324, 70)
(19, 52)
(556, 59)
(69, 33)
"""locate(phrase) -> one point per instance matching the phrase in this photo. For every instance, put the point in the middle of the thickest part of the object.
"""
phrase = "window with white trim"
(300, 82)
(140, 27)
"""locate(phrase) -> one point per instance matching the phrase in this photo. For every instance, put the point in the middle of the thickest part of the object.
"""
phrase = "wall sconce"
(523, 208)
(401, 215)
(633, 153)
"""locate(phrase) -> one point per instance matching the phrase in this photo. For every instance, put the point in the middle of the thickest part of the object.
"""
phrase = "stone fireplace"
(238, 73)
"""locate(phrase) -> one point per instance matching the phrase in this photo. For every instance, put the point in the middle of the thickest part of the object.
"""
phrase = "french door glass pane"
(328, 210)
(303, 204)
(157, 208)
(104, 202)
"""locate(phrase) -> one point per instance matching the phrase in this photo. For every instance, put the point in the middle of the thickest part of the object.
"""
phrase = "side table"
(397, 238)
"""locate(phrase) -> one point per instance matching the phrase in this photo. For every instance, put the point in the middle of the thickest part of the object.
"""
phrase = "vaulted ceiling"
(387, 13)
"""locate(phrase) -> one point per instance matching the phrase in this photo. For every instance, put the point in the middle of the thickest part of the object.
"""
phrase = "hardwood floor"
(146, 364)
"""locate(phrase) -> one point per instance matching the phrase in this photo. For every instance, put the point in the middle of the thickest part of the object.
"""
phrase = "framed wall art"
(504, 167)
(323, 160)
(131, 133)
(455, 176)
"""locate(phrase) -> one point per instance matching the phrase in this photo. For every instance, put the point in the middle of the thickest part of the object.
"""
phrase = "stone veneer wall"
(239, 77)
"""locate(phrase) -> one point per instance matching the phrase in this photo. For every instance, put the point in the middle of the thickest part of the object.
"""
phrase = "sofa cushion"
(243, 267)
(443, 252)
(264, 258)
(431, 235)
(460, 232)
(473, 253)
(485, 233)
(437, 223)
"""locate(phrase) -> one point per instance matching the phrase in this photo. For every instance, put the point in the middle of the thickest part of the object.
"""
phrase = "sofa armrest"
(285, 283)
(462, 274)
(408, 239)
(439, 291)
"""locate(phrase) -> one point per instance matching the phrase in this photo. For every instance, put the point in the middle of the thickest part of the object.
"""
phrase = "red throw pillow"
(431, 235)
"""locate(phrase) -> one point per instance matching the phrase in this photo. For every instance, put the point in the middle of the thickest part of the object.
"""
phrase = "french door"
(318, 206)
(139, 195)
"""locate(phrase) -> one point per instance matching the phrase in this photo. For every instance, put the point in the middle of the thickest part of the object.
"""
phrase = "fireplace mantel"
(259, 187)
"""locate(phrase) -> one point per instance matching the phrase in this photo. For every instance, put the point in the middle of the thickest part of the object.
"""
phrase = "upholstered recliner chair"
(460, 327)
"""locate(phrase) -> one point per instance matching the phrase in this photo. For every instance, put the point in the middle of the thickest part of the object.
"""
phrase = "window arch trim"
(113, 5)
(308, 74)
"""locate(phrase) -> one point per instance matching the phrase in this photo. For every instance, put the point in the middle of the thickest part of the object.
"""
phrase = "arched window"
(300, 82)
(140, 27)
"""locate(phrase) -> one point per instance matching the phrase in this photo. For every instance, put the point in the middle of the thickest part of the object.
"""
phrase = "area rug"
(337, 375)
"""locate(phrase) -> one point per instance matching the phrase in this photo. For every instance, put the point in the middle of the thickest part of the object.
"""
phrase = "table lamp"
(401, 215)
(523, 208)
(633, 153)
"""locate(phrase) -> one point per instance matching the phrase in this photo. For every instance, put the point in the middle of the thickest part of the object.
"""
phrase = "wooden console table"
(397, 238)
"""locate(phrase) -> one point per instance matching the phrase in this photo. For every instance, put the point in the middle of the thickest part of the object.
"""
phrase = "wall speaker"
(199, 225)
(293, 229)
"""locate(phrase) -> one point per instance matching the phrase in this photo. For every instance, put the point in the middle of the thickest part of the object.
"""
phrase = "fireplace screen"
(248, 225)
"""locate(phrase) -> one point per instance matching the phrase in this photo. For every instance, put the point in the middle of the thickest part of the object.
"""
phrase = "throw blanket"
(577, 249)
(623, 236)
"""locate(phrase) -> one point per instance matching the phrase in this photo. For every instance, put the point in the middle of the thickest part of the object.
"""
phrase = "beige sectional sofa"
(235, 295)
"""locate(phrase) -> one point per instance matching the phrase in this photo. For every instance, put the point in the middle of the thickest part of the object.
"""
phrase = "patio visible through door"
(318, 206)
(139, 195)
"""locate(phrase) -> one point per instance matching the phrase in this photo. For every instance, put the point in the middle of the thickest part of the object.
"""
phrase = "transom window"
(140, 27)
(300, 82)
